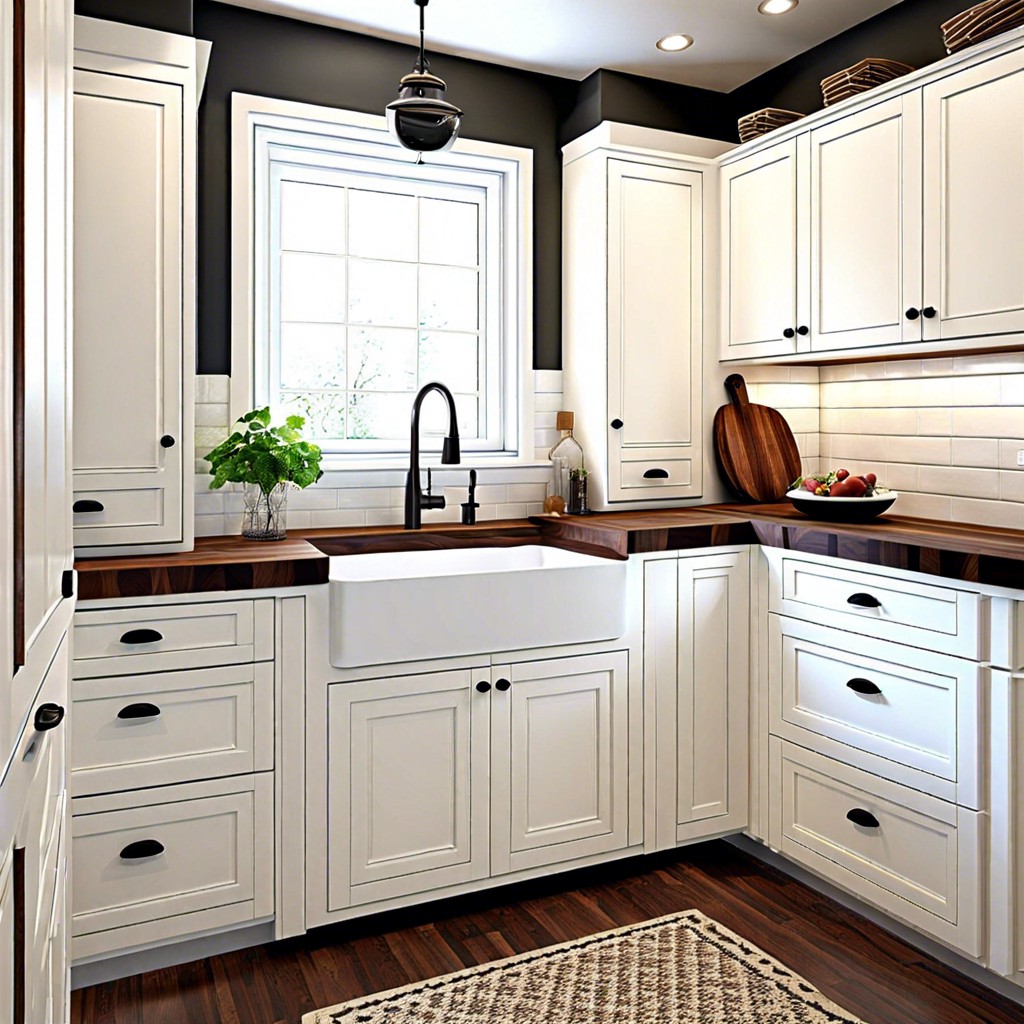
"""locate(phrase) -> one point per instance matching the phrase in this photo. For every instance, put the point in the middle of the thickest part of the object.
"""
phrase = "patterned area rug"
(681, 969)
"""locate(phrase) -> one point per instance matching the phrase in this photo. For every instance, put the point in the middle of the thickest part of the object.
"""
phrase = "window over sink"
(361, 273)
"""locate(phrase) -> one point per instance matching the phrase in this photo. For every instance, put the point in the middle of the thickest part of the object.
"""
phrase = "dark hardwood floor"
(871, 973)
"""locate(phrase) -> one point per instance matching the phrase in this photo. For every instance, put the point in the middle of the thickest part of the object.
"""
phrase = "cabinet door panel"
(655, 335)
(407, 789)
(128, 308)
(974, 200)
(565, 763)
(761, 252)
(866, 227)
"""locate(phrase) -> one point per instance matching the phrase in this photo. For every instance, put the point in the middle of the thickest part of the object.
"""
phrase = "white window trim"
(249, 113)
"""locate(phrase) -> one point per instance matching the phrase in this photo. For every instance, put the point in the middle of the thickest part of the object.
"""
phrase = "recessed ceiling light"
(677, 41)
(776, 6)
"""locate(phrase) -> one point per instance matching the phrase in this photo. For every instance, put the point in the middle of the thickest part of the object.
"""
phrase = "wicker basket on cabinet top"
(983, 21)
(861, 77)
(760, 122)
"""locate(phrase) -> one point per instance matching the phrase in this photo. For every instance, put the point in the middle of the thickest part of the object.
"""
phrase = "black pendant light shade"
(421, 119)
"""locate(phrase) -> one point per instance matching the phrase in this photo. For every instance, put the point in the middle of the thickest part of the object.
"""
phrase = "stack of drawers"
(171, 771)
(876, 748)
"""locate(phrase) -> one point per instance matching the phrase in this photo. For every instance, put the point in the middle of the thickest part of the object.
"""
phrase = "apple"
(842, 474)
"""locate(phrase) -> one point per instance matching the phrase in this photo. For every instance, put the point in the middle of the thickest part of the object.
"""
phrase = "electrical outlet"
(1020, 456)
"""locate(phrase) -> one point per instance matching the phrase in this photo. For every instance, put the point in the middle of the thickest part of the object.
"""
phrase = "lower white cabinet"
(697, 676)
(444, 778)
(7, 935)
(156, 864)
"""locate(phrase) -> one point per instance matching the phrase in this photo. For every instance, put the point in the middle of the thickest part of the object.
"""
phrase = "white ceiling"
(572, 38)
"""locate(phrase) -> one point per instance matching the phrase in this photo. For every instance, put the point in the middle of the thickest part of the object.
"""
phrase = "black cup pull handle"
(141, 636)
(616, 424)
(48, 716)
(140, 710)
(865, 686)
(483, 686)
(864, 818)
(87, 505)
(656, 474)
(503, 685)
(141, 849)
(864, 601)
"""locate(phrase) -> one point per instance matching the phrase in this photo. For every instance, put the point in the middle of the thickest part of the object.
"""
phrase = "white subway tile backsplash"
(972, 451)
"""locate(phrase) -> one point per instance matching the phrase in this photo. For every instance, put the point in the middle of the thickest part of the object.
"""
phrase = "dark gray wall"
(908, 32)
(166, 15)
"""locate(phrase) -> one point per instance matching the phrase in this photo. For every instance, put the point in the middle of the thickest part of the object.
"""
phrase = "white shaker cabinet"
(865, 266)
(765, 227)
(134, 196)
(697, 671)
(974, 201)
(635, 242)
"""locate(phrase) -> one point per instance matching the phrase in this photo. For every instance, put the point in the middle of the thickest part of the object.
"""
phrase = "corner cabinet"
(891, 224)
(697, 674)
(134, 267)
(634, 246)
(443, 779)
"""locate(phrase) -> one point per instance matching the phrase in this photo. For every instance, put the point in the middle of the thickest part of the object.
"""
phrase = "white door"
(697, 666)
(765, 252)
(866, 228)
(655, 332)
(974, 201)
(560, 760)
(407, 797)
(128, 310)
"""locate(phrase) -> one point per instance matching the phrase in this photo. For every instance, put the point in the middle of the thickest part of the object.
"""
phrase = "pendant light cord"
(422, 4)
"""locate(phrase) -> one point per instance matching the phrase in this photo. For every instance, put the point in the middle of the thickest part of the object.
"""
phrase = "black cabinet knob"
(167, 441)
(483, 686)
(140, 710)
(864, 818)
(864, 601)
(789, 333)
(141, 849)
(616, 424)
(803, 331)
(503, 685)
(87, 505)
(929, 312)
(47, 716)
(864, 686)
(913, 314)
(141, 636)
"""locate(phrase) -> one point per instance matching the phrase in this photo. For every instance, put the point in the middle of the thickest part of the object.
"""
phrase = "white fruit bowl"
(841, 510)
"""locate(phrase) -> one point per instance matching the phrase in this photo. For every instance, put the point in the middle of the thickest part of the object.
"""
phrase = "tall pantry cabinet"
(636, 219)
(135, 201)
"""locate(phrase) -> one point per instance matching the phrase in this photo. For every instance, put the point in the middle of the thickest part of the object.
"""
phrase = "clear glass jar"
(566, 458)
(265, 516)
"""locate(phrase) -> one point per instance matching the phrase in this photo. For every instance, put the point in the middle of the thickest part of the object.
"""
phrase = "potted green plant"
(267, 461)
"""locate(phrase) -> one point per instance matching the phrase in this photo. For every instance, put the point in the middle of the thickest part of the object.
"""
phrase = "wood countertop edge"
(965, 552)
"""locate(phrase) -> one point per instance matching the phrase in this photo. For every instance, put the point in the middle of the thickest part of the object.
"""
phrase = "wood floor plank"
(870, 972)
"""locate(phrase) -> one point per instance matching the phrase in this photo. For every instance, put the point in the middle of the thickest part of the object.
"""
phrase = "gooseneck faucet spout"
(415, 499)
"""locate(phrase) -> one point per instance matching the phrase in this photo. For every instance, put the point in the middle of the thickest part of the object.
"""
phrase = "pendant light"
(421, 119)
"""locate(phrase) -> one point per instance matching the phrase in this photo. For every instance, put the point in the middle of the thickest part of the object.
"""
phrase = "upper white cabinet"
(764, 252)
(134, 222)
(634, 249)
(893, 224)
(974, 201)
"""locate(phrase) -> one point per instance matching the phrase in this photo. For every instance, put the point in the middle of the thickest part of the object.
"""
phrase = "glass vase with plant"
(267, 461)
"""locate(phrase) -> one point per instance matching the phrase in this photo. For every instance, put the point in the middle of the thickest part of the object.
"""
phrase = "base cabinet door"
(560, 762)
(696, 661)
(407, 785)
(974, 201)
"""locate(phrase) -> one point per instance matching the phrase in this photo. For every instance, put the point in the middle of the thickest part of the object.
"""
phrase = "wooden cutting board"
(756, 450)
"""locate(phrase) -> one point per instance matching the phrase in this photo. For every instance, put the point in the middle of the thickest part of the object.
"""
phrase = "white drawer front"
(156, 730)
(923, 721)
(97, 513)
(204, 853)
(933, 617)
(921, 862)
(154, 638)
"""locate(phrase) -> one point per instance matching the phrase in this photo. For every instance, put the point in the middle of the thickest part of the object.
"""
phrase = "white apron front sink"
(413, 605)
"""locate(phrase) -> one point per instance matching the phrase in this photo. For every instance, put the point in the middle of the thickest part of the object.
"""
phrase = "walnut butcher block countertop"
(959, 551)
